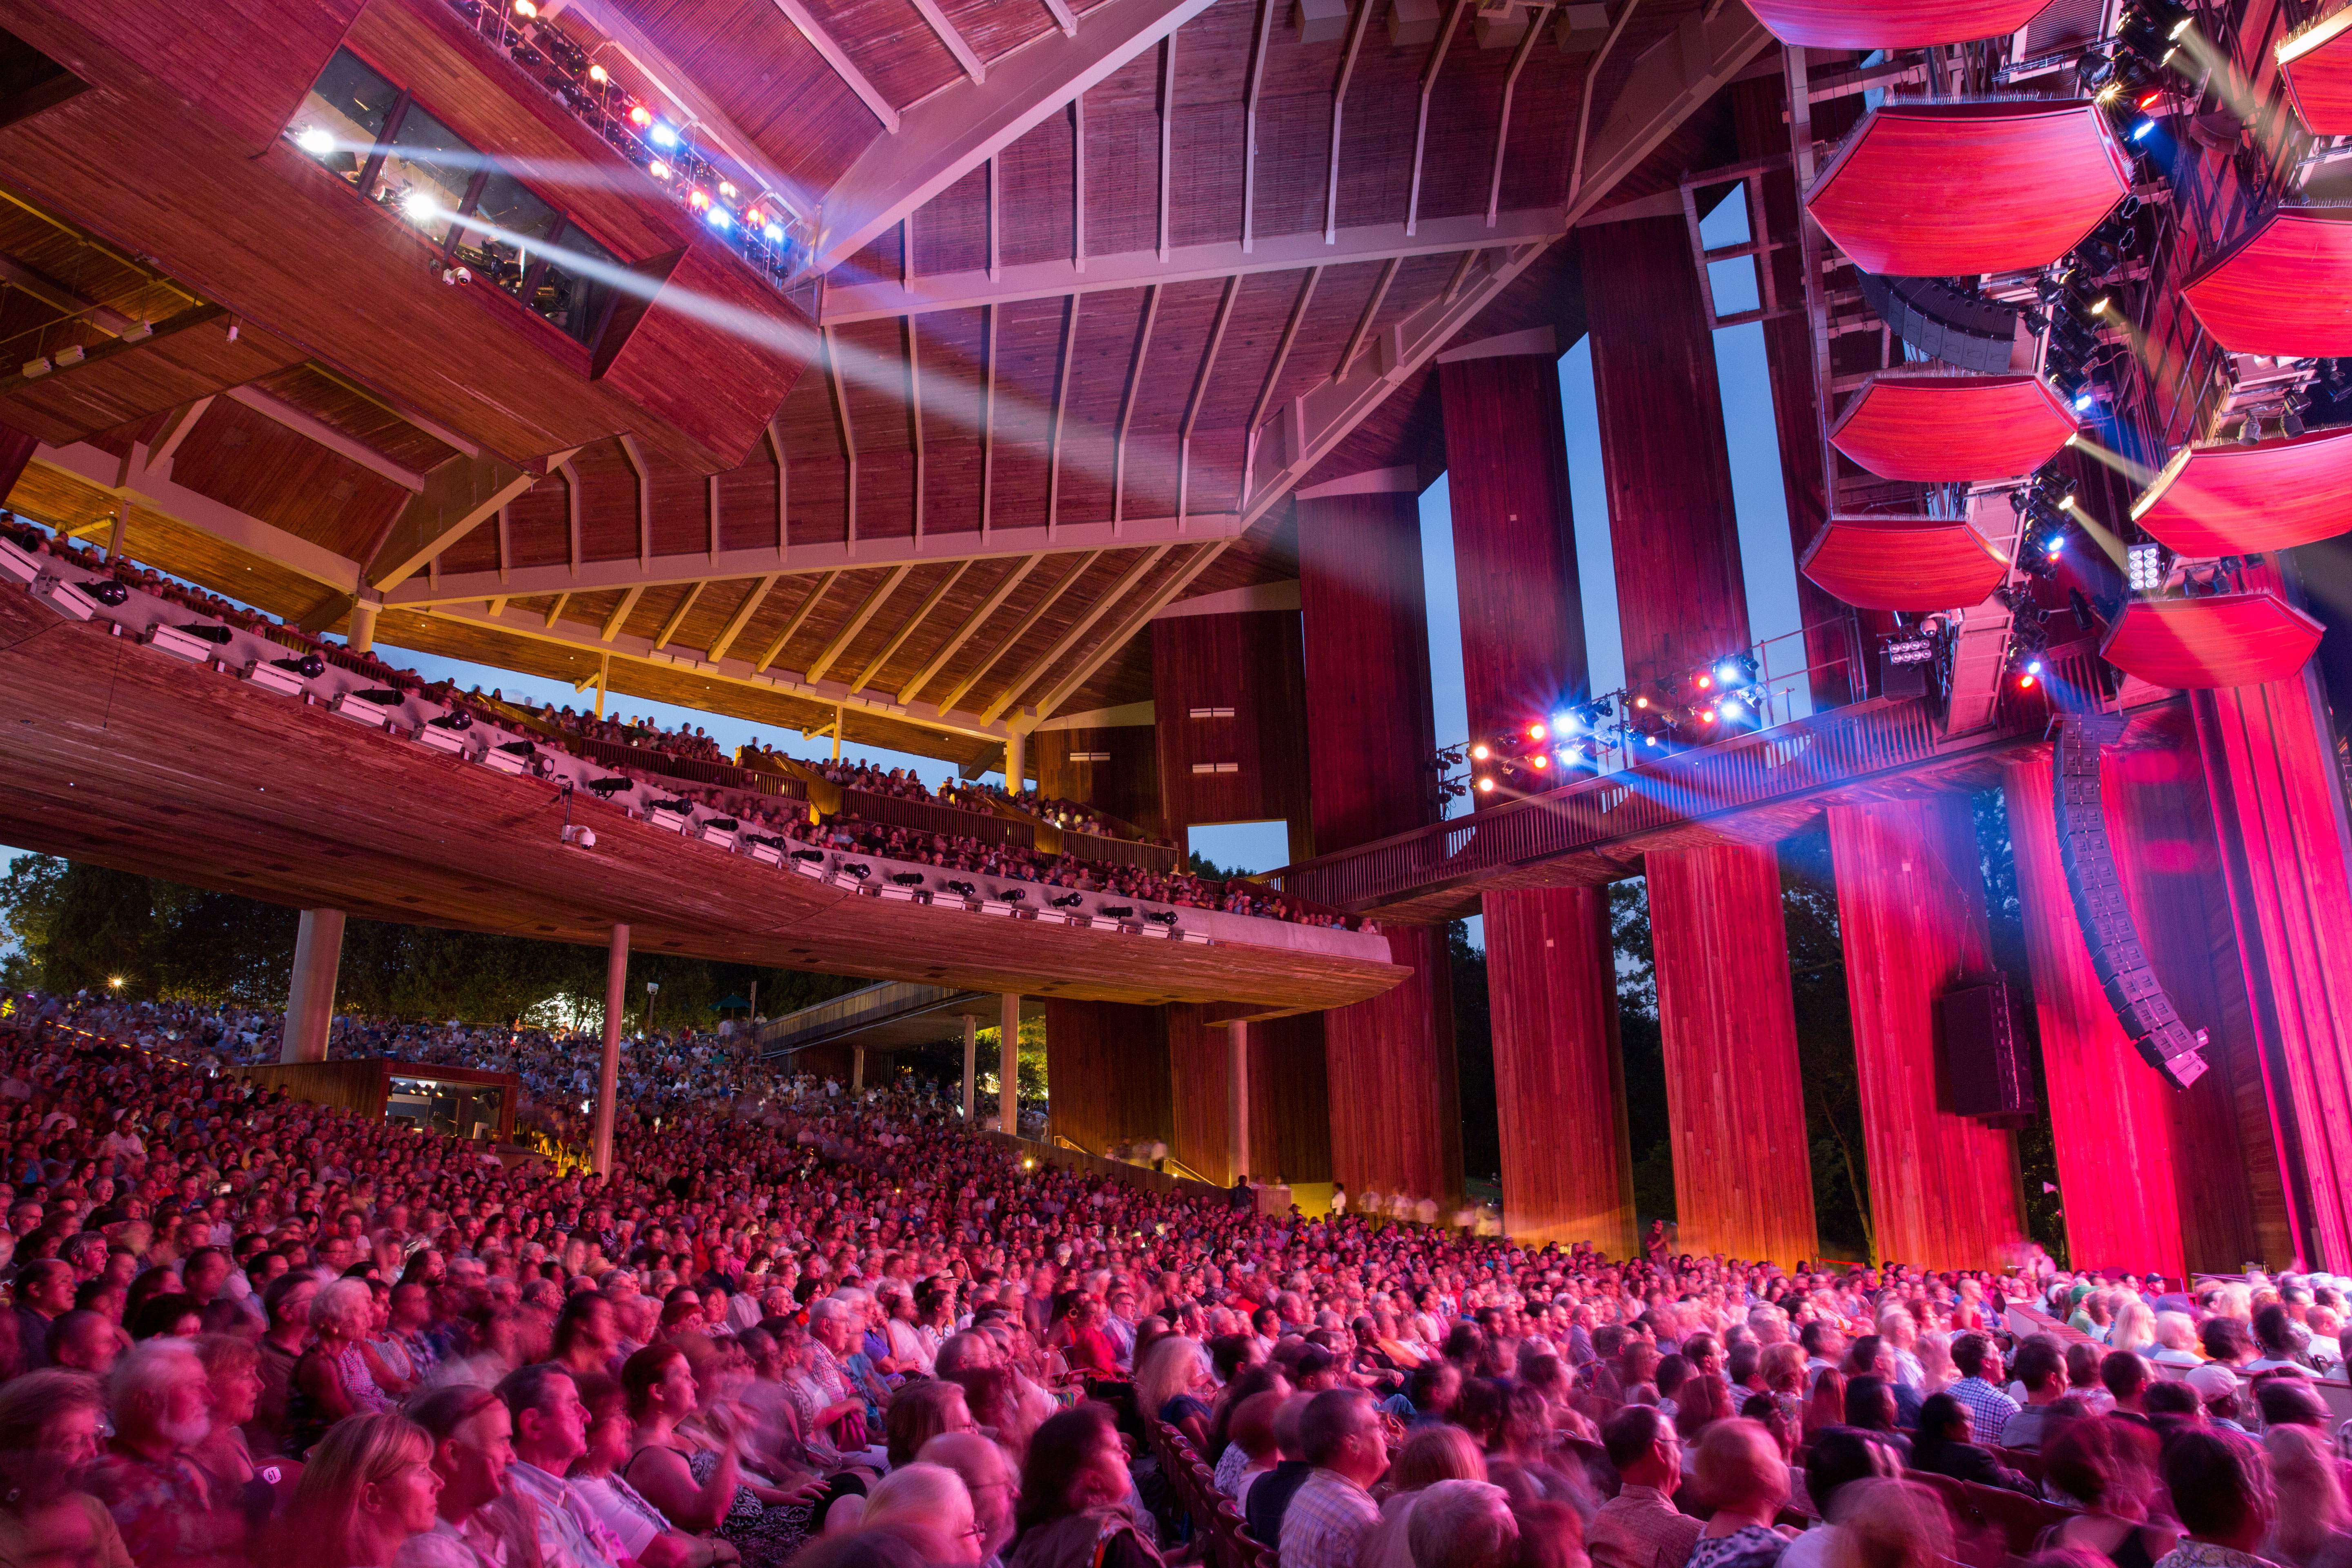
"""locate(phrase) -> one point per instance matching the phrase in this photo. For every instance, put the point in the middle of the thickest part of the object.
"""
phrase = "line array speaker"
(1984, 1051)
(2133, 989)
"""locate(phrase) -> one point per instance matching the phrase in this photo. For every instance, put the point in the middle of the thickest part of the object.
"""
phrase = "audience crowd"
(834, 1329)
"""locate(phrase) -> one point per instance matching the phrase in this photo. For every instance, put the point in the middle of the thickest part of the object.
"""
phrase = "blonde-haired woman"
(2135, 1327)
(1168, 1384)
(369, 1485)
(1433, 1454)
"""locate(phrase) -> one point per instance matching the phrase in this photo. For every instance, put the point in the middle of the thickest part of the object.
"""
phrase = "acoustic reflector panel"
(2229, 639)
(2234, 499)
(1904, 563)
(2285, 290)
(1891, 24)
(1936, 427)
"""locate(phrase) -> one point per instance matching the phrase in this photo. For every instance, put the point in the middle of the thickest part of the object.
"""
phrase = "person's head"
(1075, 1463)
(1783, 1368)
(2226, 1340)
(1175, 1364)
(2276, 1331)
(1433, 1386)
(1463, 1524)
(2041, 1367)
(1972, 1353)
(85, 1341)
(1643, 1447)
(2221, 1487)
(928, 1505)
(660, 1383)
(2289, 1401)
(366, 1487)
(1840, 1457)
(160, 1396)
(2170, 1404)
(1944, 1420)
(2309, 1482)
(920, 1411)
(2126, 1377)
(989, 1481)
(1738, 1467)
(473, 1443)
(47, 1285)
(2216, 1386)
(1870, 1404)
(1340, 1431)
(232, 1365)
(1433, 1453)
(1889, 1523)
(48, 1430)
(550, 1424)
(2107, 1465)
(586, 1328)
(342, 1310)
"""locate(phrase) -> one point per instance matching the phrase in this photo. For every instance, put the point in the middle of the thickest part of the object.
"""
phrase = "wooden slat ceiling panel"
(994, 28)
(1219, 441)
(1340, 296)
(681, 514)
(1294, 139)
(1107, 577)
(1212, 93)
(840, 601)
(87, 271)
(816, 477)
(1029, 352)
(29, 327)
(1123, 158)
(339, 406)
(260, 467)
(1104, 354)
(875, 261)
(1419, 279)
(590, 610)
(652, 609)
(477, 552)
(747, 503)
(537, 528)
(1035, 210)
(952, 345)
(1179, 337)
(713, 608)
(1046, 579)
(1376, 150)
(1464, 111)
(755, 65)
(874, 381)
(952, 230)
(608, 501)
(904, 601)
(970, 593)
(891, 42)
(1543, 124)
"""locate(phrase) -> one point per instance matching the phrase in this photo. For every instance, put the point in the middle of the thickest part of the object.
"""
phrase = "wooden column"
(1910, 892)
(970, 1067)
(608, 1069)
(1743, 1172)
(1276, 1072)
(1106, 1073)
(310, 1000)
(1567, 1171)
(1008, 1065)
(2278, 809)
(1392, 1086)
(1228, 695)
(1237, 1098)
(857, 1069)
(1682, 601)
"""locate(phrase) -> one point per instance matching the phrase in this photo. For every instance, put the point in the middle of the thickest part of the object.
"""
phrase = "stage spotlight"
(662, 135)
(1067, 902)
(774, 233)
(1480, 752)
(1706, 715)
(2143, 131)
(419, 207)
(1728, 673)
(1642, 703)
(640, 116)
(658, 169)
(106, 591)
(1539, 761)
(315, 141)
(1535, 731)
(720, 218)
(697, 198)
(860, 872)
(1566, 723)
(599, 75)
(2146, 567)
(2025, 680)
(1486, 786)
(309, 666)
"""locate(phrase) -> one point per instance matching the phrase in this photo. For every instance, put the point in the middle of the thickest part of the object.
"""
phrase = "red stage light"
(1534, 732)
(1539, 761)
(1707, 716)
(697, 199)
(1480, 752)
(2025, 683)
(1704, 681)
(2153, 98)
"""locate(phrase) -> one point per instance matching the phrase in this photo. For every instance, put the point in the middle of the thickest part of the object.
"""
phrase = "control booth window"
(376, 136)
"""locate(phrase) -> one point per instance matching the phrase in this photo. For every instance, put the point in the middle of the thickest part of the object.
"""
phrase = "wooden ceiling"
(1097, 285)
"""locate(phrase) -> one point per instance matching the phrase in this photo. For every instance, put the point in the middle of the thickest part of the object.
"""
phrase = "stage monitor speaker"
(1984, 1069)
(2133, 989)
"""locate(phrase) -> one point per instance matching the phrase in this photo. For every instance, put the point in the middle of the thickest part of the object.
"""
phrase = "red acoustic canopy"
(1904, 563)
(1932, 426)
(1891, 24)
(2285, 290)
(1940, 190)
(2230, 640)
(2229, 500)
(2318, 65)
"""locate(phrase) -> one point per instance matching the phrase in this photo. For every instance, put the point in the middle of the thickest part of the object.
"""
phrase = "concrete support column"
(1237, 1086)
(1015, 760)
(608, 1070)
(310, 1001)
(970, 1068)
(1008, 1066)
(361, 637)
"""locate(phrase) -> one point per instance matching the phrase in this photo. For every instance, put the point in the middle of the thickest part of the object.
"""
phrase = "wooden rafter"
(1107, 647)
(1420, 123)
(644, 497)
(556, 607)
(906, 627)
(1103, 601)
(1249, 120)
(843, 66)
(1045, 602)
(915, 414)
(1061, 407)
(1503, 119)
(1166, 143)
(1199, 394)
(1127, 408)
(620, 616)
(971, 624)
(1338, 111)
(800, 613)
(841, 423)
(753, 600)
(823, 664)
(1371, 313)
(677, 616)
(974, 66)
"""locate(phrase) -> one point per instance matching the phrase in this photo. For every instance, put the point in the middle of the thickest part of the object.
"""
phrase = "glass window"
(426, 173)
(574, 296)
(344, 117)
(521, 220)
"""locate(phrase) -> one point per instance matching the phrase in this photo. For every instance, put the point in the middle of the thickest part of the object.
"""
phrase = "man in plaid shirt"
(1973, 1354)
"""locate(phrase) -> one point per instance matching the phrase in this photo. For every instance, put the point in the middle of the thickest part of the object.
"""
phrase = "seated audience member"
(48, 1434)
(1870, 1408)
(473, 1448)
(1431, 1455)
(1640, 1527)
(1340, 1436)
(1893, 1524)
(2108, 1469)
(989, 1480)
(1837, 1459)
(1252, 1438)
(2220, 1490)
(926, 1504)
(1269, 1496)
(1740, 1473)
(1074, 1509)
(2311, 1525)
(2040, 1366)
(367, 1489)
(1989, 1408)
(1463, 1524)
(920, 1411)
(645, 1534)
(171, 1513)
(2125, 1378)
(1947, 1445)
(2176, 1339)
(2219, 1389)
(2171, 1405)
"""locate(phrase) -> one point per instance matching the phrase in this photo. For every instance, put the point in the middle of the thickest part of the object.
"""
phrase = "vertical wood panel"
(1290, 1130)
(1127, 787)
(1201, 1074)
(1568, 1174)
(1369, 728)
(1106, 1072)
(1252, 663)
(2279, 815)
(1743, 1175)
(1911, 916)
(1396, 1111)
(2225, 1164)
(1681, 599)
(1514, 549)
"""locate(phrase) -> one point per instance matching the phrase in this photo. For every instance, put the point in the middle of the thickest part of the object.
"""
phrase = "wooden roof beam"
(1045, 602)
(954, 131)
(1668, 83)
(906, 627)
(1184, 264)
(743, 616)
(956, 45)
(843, 66)
(696, 565)
(1103, 603)
(318, 433)
(971, 624)
(822, 666)
(801, 612)
(1108, 647)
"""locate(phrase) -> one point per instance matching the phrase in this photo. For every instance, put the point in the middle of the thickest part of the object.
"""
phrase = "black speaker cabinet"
(1985, 1068)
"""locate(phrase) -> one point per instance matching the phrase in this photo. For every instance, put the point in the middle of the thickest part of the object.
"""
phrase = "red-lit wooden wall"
(1290, 1126)
(1108, 1072)
(1126, 784)
(1250, 662)
(1393, 1085)
(1910, 892)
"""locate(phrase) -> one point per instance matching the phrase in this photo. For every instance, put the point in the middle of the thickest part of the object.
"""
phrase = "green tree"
(1642, 1045)
(1825, 1064)
(1473, 1055)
